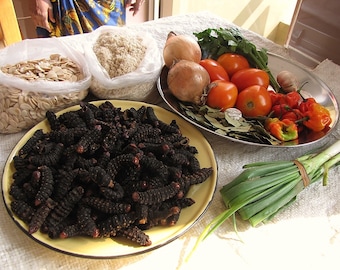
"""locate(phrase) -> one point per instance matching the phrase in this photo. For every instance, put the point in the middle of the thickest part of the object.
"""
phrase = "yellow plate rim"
(113, 248)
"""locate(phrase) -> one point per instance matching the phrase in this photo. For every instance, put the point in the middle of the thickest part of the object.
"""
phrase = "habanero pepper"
(284, 130)
(279, 110)
(293, 99)
(306, 103)
(317, 117)
(295, 116)
(276, 97)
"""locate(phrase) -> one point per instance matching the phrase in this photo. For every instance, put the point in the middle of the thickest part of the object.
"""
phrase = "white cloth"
(306, 235)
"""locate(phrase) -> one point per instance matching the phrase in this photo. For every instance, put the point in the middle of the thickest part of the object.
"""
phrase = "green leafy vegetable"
(214, 42)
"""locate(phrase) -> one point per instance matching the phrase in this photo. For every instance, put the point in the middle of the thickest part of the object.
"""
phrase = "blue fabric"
(83, 16)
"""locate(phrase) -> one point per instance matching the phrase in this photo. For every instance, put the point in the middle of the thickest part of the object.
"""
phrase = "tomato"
(215, 70)
(222, 95)
(254, 101)
(233, 62)
(250, 76)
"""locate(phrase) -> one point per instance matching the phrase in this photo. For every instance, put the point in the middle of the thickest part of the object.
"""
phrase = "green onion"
(265, 188)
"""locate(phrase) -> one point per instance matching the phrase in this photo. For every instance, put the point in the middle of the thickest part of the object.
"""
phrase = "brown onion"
(180, 47)
(287, 81)
(188, 81)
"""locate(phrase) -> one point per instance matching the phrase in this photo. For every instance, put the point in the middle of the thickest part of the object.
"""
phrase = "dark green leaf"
(215, 42)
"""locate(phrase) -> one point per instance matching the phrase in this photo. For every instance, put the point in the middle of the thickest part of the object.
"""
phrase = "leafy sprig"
(215, 42)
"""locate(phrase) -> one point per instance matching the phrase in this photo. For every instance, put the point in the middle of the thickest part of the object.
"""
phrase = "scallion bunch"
(264, 188)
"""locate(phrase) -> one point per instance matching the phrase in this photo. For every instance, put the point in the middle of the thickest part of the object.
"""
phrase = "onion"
(180, 47)
(188, 81)
(287, 81)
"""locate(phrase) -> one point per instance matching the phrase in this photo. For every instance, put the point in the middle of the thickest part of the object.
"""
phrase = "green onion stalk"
(265, 188)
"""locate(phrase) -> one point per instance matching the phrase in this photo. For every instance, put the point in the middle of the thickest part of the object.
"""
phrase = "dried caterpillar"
(104, 172)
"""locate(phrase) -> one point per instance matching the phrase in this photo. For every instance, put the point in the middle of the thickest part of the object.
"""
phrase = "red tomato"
(215, 70)
(233, 62)
(222, 95)
(254, 101)
(250, 76)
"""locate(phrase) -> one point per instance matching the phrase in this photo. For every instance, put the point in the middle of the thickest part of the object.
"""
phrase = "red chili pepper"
(296, 116)
(279, 110)
(284, 130)
(317, 117)
(276, 97)
(293, 115)
(292, 99)
(305, 104)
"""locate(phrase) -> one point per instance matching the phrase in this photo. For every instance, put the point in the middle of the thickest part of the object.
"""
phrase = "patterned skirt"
(83, 16)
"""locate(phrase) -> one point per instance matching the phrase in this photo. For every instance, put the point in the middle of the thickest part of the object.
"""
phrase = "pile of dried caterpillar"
(104, 172)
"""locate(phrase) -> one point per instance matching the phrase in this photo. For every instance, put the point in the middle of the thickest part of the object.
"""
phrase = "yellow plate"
(115, 247)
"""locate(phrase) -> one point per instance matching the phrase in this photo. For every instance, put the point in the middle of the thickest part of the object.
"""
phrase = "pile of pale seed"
(54, 68)
(119, 54)
(20, 109)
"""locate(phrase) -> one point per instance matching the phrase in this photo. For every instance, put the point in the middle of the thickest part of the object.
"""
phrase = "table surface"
(306, 234)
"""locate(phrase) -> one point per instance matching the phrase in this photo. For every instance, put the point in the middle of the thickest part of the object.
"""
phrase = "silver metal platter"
(314, 87)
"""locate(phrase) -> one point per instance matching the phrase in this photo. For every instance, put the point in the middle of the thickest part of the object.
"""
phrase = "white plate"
(115, 247)
(314, 88)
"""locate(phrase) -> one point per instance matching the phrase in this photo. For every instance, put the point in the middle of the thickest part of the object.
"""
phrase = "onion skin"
(287, 81)
(188, 81)
(180, 47)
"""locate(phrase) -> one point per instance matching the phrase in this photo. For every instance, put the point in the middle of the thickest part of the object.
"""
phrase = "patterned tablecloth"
(306, 235)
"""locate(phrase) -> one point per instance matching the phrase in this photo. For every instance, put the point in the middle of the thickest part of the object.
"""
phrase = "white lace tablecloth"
(306, 235)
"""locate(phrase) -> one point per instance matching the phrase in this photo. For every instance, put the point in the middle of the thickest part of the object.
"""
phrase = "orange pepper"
(284, 130)
(317, 117)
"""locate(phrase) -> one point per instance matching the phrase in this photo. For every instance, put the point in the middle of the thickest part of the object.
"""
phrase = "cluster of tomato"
(236, 84)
